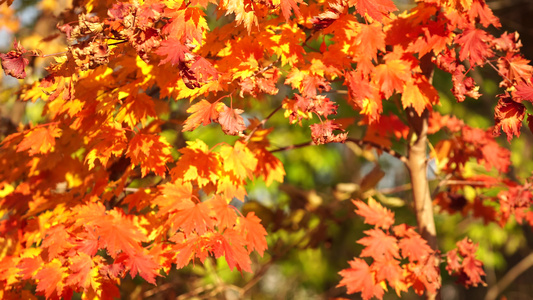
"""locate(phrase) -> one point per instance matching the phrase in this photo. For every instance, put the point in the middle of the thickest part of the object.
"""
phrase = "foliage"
(109, 185)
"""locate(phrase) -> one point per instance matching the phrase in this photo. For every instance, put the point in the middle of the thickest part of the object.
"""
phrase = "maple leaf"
(152, 152)
(470, 269)
(515, 67)
(374, 213)
(175, 51)
(29, 266)
(254, 232)
(203, 113)
(415, 248)
(360, 278)
(140, 263)
(231, 244)
(379, 245)
(50, 278)
(474, 46)
(508, 116)
(481, 10)
(390, 270)
(173, 194)
(269, 167)
(231, 121)
(423, 275)
(192, 217)
(14, 63)
(369, 40)
(524, 90)
(322, 133)
(39, 140)
(287, 6)
(83, 272)
(223, 212)
(197, 163)
(392, 76)
(56, 241)
(419, 94)
(375, 9)
(239, 160)
(136, 109)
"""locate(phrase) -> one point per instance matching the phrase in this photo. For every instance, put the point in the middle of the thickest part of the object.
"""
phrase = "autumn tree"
(114, 181)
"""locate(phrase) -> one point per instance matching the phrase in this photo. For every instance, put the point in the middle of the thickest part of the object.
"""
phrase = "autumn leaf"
(239, 160)
(379, 245)
(14, 63)
(287, 6)
(39, 140)
(231, 244)
(140, 263)
(202, 112)
(359, 278)
(174, 50)
(231, 121)
(50, 278)
(508, 116)
(84, 272)
(191, 217)
(375, 9)
(374, 213)
(474, 46)
(254, 233)
(152, 152)
(225, 214)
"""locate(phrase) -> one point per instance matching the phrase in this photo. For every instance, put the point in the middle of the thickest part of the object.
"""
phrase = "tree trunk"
(417, 165)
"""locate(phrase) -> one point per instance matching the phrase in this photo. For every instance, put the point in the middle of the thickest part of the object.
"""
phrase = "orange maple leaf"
(360, 278)
(374, 213)
(39, 140)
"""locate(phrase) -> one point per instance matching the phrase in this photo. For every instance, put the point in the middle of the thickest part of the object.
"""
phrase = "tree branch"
(417, 166)
(360, 143)
(509, 277)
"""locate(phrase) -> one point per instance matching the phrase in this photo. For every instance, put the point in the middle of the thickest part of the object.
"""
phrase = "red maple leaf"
(469, 269)
(140, 263)
(174, 50)
(374, 213)
(360, 278)
(231, 121)
(481, 10)
(508, 116)
(474, 46)
(376, 9)
(14, 62)
(322, 133)
(231, 244)
(287, 6)
(524, 90)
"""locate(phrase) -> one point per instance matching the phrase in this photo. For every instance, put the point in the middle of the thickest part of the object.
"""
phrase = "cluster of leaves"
(402, 258)
(98, 192)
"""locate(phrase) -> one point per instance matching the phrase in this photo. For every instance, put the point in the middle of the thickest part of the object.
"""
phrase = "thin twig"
(296, 146)
(509, 277)
(249, 136)
(362, 143)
